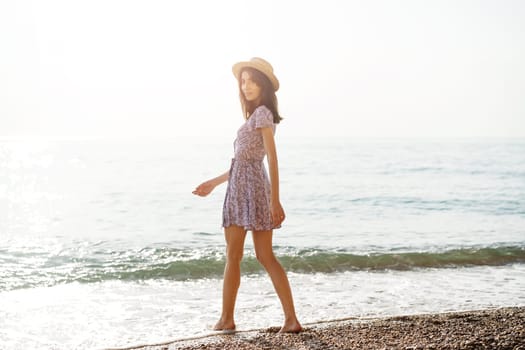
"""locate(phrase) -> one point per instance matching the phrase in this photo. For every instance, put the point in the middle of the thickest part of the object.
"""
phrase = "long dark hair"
(268, 97)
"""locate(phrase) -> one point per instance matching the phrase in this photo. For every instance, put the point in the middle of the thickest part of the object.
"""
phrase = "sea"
(103, 245)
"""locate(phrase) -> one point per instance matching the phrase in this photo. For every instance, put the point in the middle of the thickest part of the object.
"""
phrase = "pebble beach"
(502, 328)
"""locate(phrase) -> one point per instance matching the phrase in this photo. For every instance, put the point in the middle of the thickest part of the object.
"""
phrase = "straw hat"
(259, 64)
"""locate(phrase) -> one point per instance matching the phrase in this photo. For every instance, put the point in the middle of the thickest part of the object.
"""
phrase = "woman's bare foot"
(224, 326)
(292, 327)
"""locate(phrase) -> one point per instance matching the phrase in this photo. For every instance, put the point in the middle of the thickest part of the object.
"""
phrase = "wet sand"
(502, 328)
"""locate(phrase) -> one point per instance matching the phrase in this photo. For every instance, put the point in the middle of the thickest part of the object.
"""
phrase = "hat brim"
(238, 67)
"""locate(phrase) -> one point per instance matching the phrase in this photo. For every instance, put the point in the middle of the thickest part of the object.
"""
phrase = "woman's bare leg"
(234, 236)
(262, 241)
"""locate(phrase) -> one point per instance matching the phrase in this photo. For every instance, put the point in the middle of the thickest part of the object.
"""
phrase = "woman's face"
(251, 91)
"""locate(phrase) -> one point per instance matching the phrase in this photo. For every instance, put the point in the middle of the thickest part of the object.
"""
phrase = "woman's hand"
(277, 212)
(204, 188)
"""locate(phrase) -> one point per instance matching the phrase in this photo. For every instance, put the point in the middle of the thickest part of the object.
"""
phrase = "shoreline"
(493, 328)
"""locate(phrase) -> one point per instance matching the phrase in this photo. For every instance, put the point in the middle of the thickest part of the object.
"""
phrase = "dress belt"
(254, 161)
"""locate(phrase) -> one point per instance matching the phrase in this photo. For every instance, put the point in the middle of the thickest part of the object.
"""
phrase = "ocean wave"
(499, 206)
(180, 265)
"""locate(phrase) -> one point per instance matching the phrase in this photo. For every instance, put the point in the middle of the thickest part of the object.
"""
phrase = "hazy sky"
(123, 68)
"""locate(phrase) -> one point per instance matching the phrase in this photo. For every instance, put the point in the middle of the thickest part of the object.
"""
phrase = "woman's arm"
(273, 166)
(206, 187)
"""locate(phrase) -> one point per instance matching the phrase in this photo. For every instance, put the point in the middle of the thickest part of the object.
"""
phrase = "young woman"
(252, 201)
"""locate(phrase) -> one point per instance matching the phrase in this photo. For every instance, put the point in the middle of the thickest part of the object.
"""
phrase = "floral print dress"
(247, 201)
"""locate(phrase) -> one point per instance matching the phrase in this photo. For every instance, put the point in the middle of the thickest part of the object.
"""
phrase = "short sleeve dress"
(247, 200)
